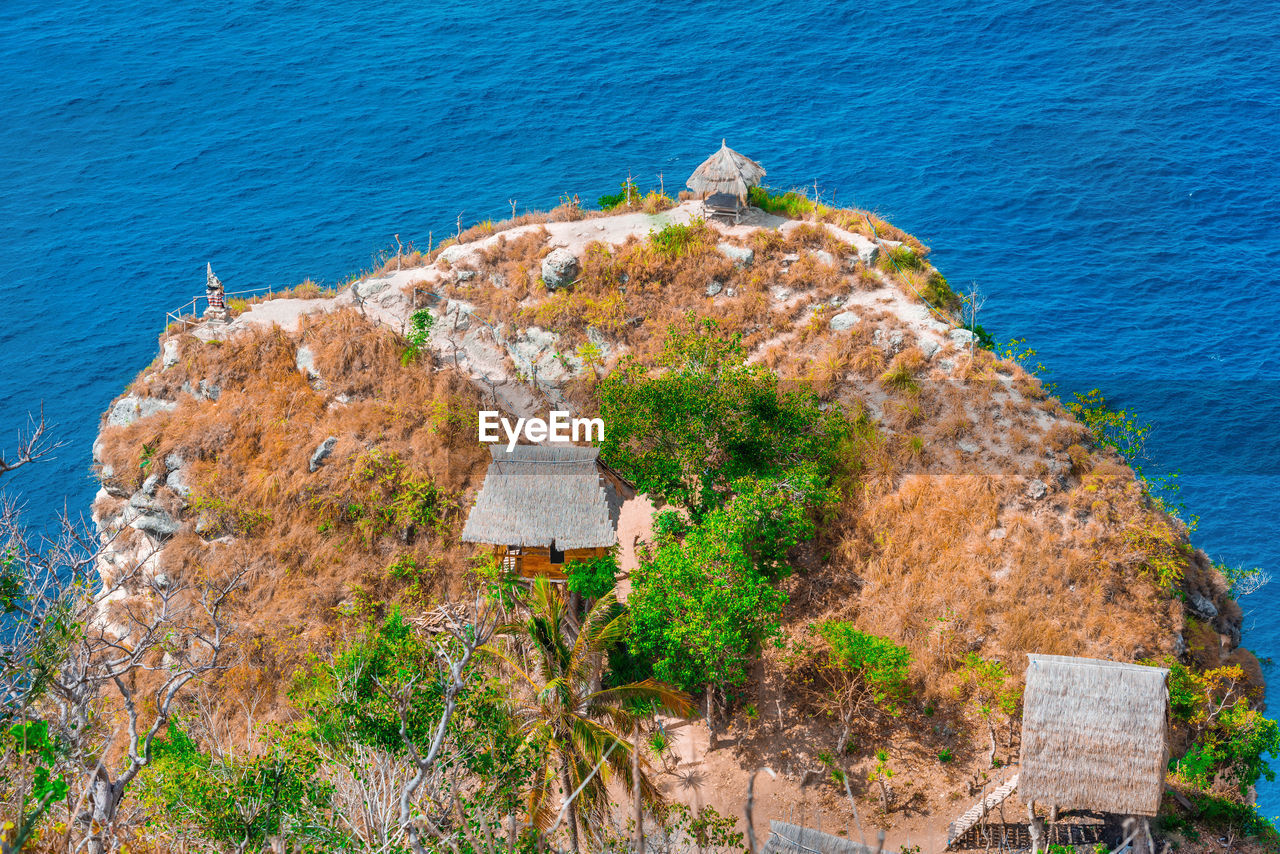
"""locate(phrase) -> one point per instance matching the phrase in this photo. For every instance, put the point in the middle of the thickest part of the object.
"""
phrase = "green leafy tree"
(592, 578)
(577, 730)
(241, 803)
(685, 433)
(30, 778)
(426, 701)
(704, 602)
(991, 691)
(859, 675)
(1230, 739)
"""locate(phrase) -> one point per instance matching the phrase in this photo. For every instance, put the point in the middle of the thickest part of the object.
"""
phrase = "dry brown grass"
(247, 462)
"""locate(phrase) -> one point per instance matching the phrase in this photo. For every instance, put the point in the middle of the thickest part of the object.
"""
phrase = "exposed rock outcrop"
(559, 269)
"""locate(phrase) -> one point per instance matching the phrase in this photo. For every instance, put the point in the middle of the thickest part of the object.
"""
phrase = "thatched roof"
(726, 171)
(536, 494)
(792, 839)
(1094, 735)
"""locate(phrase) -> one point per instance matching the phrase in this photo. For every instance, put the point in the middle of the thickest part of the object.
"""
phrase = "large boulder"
(559, 269)
(157, 523)
(1202, 606)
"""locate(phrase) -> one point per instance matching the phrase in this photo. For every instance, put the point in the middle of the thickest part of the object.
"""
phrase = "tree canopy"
(706, 418)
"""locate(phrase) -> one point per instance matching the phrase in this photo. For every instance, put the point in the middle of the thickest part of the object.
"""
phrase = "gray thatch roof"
(1094, 735)
(792, 839)
(726, 171)
(535, 494)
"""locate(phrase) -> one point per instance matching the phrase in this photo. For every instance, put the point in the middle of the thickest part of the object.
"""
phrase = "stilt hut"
(1095, 736)
(543, 506)
(722, 182)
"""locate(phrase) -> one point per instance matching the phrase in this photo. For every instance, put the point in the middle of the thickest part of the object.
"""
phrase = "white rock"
(158, 524)
(178, 483)
(868, 253)
(171, 353)
(559, 269)
(714, 288)
(844, 320)
(452, 254)
(131, 408)
(739, 255)
(929, 347)
(306, 362)
(1037, 489)
(962, 337)
(366, 288)
(967, 446)
(825, 257)
(780, 293)
(892, 343)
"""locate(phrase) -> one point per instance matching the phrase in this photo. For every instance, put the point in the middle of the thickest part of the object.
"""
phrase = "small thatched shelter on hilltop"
(1094, 735)
(725, 172)
(543, 506)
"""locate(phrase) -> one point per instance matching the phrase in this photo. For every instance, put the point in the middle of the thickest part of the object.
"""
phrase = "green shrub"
(938, 293)
(945, 755)
(420, 323)
(881, 665)
(790, 204)
(900, 378)
(902, 258)
(1231, 740)
(678, 239)
(710, 418)
(629, 190)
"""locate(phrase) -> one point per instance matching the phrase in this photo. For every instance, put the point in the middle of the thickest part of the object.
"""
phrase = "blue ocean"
(1106, 173)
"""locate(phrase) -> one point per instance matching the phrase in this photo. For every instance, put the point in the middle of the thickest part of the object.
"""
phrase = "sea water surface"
(1107, 173)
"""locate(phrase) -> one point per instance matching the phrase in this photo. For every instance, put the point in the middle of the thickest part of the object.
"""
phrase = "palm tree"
(566, 718)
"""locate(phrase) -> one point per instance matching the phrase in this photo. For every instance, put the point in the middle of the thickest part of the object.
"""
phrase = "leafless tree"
(34, 443)
(142, 640)
(367, 783)
(78, 646)
(454, 652)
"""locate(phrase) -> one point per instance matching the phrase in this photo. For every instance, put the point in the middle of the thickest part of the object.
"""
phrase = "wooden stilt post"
(1033, 827)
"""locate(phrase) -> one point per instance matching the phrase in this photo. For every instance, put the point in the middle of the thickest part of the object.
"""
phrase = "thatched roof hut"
(547, 495)
(787, 838)
(726, 171)
(1094, 735)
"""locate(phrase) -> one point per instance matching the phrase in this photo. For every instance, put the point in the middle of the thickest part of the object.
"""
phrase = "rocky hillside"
(310, 440)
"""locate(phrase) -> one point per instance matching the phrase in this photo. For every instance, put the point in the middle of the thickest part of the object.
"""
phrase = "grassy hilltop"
(868, 513)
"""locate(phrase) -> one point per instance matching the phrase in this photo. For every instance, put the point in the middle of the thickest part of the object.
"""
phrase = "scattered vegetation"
(802, 538)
